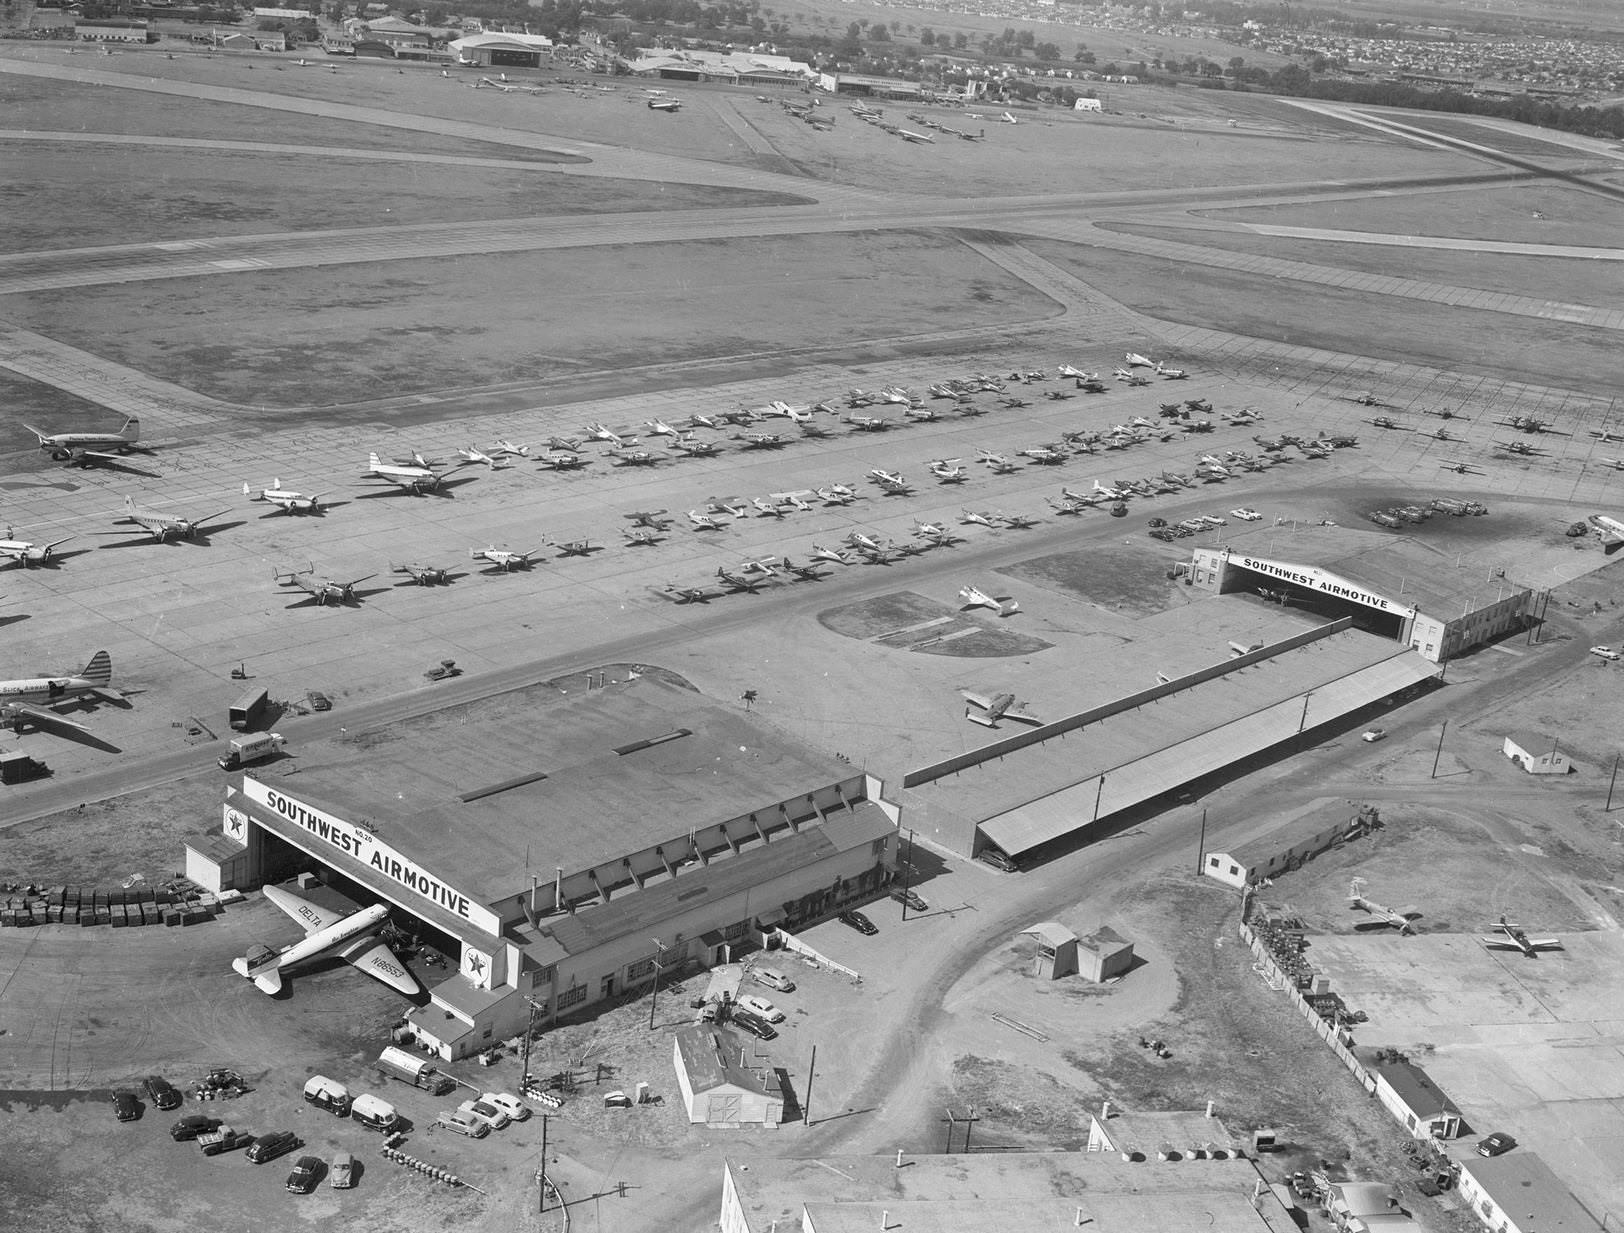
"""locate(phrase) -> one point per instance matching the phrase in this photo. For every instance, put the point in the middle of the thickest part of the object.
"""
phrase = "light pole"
(659, 949)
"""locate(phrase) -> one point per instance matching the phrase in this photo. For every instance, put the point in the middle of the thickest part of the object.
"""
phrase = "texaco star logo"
(234, 821)
(476, 965)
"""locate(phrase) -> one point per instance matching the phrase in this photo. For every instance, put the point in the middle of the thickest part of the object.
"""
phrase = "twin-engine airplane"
(164, 527)
(998, 706)
(285, 499)
(17, 698)
(352, 938)
(27, 553)
(974, 597)
(80, 447)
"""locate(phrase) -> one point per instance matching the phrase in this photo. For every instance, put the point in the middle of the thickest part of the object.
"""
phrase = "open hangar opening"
(1384, 622)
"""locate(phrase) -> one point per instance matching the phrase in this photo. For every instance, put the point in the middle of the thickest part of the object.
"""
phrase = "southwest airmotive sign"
(1329, 584)
(362, 845)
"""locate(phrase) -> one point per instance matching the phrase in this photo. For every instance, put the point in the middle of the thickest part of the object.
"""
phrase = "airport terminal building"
(1396, 588)
(562, 848)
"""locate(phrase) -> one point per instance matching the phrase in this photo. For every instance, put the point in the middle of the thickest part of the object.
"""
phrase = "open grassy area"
(346, 333)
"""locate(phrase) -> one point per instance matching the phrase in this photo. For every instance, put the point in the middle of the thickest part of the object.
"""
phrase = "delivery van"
(416, 1071)
(246, 750)
(327, 1094)
(374, 1113)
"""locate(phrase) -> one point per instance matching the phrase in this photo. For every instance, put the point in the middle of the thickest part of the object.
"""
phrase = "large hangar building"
(563, 844)
(1396, 587)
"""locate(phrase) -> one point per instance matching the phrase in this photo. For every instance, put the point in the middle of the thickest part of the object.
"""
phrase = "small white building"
(721, 1087)
(1536, 753)
(1285, 848)
(1518, 1193)
(113, 30)
(1410, 1095)
(1087, 104)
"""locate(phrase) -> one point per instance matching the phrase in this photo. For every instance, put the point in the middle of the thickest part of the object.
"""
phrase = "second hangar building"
(566, 843)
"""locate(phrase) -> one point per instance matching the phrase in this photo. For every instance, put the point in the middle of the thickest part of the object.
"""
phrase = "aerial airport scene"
(828, 618)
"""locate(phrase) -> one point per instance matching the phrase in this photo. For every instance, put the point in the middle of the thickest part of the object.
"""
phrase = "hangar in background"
(1396, 587)
(565, 840)
(1066, 778)
(502, 50)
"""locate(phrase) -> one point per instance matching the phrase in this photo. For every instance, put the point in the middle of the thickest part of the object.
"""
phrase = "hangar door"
(1312, 591)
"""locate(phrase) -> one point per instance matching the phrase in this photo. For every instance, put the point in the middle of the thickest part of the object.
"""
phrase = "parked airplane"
(767, 509)
(566, 445)
(908, 134)
(693, 448)
(935, 535)
(1007, 118)
(974, 597)
(576, 547)
(352, 937)
(1510, 936)
(321, 590)
(1017, 522)
(1519, 447)
(1171, 374)
(738, 582)
(689, 595)
(1611, 531)
(832, 555)
(598, 432)
(422, 575)
(997, 707)
(503, 559)
(947, 470)
(17, 698)
(761, 440)
(665, 104)
(643, 537)
(1135, 360)
(1606, 435)
(654, 518)
(82, 446)
(659, 428)
(1401, 919)
(1458, 467)
(563, 462)
(1044, 455)
(471, 456)
(1527, 423)
(416, 478)
(27, 553)
(866, 423)
(1013, 404)
(506, 448)
(704, 522)
(891, 481)
(804, 573)
(998, 464)
(289, 502)
(1383, 421)
(162, 526)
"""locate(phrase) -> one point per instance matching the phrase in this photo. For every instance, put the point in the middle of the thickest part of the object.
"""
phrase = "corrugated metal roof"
(1037, 822)
(708, 1054)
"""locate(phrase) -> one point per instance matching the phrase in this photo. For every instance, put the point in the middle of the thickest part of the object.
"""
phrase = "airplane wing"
(311, 918)
(379, 962)
(974, 699)
(1019, 712)
(1499, 943)
(11, 712)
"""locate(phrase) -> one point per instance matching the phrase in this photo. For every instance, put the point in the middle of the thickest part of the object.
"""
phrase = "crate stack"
(179, 903)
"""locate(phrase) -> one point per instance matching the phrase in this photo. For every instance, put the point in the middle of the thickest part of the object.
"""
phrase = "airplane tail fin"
(131, 431)
(373, 460)
(43, 436)
(99, 671)
(978, 719)
(240, 965)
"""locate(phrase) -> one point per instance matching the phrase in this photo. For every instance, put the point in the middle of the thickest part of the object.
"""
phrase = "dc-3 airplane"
(321, 590)
(503, 559)
(422, 575)
(91, 447)
(996, 707)
(1611, 531)
(27, 553)
(416, 477)
(1402, 919)
(17, 698)
(974, 597)
(286, 500)
(1510, 936)
(163, 527)
(352, 938)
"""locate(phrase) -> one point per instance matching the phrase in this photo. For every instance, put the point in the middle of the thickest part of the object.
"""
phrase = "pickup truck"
(225, 1139)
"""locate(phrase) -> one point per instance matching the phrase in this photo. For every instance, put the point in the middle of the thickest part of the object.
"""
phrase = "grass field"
(346, 333)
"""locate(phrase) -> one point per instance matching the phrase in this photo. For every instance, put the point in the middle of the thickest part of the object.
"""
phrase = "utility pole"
(907, 868)
(1099, 792)
(811, 1072)
(1440, 751)
(1610, 783)
(529, 1031)
(659, 949)
(541, 1173)
(1201, 845)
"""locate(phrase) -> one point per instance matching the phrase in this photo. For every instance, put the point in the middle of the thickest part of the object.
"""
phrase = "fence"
(1277, 978)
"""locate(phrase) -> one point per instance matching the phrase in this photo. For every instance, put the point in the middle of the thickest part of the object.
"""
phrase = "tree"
(879, 34)
(1046, 51)
(961, 40)
(927, 37)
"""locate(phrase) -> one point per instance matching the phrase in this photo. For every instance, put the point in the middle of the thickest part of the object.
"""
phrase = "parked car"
(904, 895)
(1214, 520)
(1193, 525)
(1245, 513)
(306, 1173)
(484, 1112)
(161, 1092)
(859, 922)
(509, 1104)
(225, 1139)
(754, 1024)
(1496, 1144)
(125, 1106)
(1374, 734)
(1606, 652)
(1158, 522)
(270, 1146)
(464, 1124)
(759, 1006)
(773, 979)
(192, 1125)
(995, 858)
(341, 1173)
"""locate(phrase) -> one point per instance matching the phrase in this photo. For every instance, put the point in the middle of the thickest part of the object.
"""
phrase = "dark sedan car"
(125, 1106)
(161, 1092)
(859, 922)
(270, 1146)
(1496, 1144)
(306, 1173)
(754, 1024)
(910, 898)
(192, 1125)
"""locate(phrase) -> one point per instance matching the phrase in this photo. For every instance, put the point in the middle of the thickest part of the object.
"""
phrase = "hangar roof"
(975, 1192)
(565, 796)
(1400, 567)
(1526, 1190)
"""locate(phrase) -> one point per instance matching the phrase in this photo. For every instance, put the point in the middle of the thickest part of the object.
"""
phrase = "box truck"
(246, 750)
(416, 1071)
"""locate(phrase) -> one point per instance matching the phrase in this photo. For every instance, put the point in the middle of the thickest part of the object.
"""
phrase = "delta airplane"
(353, 938)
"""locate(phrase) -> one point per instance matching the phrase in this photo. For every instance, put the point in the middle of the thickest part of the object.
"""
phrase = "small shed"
(1087, 104)
(1409, 1094)
(1536, 753)
(1056, 953)
(1104, 953)
(721, 1088)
